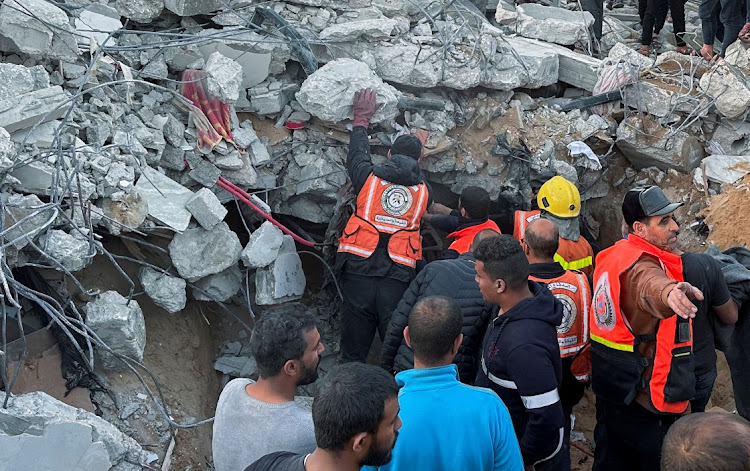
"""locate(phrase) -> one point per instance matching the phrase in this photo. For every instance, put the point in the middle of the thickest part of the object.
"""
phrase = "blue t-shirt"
(448, 425)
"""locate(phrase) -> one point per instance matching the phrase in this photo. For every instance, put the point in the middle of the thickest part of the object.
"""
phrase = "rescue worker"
(572, 289)
(641, 336)
(471, 217)
(380, 245)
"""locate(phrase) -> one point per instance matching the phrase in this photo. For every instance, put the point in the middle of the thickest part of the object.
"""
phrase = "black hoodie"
(521, 363)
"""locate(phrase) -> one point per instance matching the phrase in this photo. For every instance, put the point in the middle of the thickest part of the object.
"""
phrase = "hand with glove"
(364, 107)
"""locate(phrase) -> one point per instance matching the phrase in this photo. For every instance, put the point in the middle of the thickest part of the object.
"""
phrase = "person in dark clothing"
(520, 356)
(703, 272)
(649, 18)
(454, 278)
(572, 288)
(730, 16)
(381, 244)
(355, 414)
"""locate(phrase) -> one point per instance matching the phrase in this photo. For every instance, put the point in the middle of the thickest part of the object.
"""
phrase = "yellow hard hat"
(559, 197)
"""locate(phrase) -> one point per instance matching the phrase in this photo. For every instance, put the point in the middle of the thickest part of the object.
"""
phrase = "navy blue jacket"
(521, 363)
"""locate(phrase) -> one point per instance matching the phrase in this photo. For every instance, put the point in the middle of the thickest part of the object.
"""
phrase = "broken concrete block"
(174, 131)
(119, 177)
(142, 11)
(283, 280)
(192, 7)
(206, 208)
(220, 286)
(247, 139)
(726, 168)
(15, 80)
(165, 198)
(125, 211)
(329, 92)
(730, 92)
(72, 251)
(411, 64)
(34, 177)
(20, 207)
(205, 173)
(7, 150)
(320, 180)
(552, 24)
(264, 101)
(224, 77)
(237, 366)
(647, 144)
(38, 415)
(120, 326)
(538, 67)
(505, 13)
(661, 99)
(231, 161)
(165, 291)
(173, 158)
(629, 55)
(37, 28)
(96, 21)
(579, 70)
(246, 177)
(733, 136)
(38, 106)
(370, 30)
(263, 246)
(197, 253)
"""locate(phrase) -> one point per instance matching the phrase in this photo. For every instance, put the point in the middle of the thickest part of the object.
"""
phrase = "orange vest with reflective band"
(521, 219)
(465, 237)
(576, 255)
(572, 289)
(391, 211)
(616, 363)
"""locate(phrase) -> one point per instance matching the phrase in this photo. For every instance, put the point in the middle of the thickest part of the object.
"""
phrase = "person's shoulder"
(279, 461)
(235, 386)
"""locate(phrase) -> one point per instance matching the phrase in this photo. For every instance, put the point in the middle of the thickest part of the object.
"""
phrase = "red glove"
(364, 107)
(745, 33)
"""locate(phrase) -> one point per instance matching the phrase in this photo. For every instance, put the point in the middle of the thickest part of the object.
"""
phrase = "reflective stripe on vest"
(521, 220)
(572, 290)
(579, 264)
(505, 383)
(465, 237)
(386, 209)
(612, 336)
(576, 255)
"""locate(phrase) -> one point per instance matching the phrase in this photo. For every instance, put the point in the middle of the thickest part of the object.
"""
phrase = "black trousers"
(368, 305)
(653, 7)
(628, 438)
(727, 13)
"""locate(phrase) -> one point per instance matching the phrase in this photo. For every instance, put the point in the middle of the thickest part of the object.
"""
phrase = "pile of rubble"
(99, 138)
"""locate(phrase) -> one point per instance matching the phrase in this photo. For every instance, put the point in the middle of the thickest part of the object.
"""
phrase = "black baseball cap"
(643, 202)
(407, 145)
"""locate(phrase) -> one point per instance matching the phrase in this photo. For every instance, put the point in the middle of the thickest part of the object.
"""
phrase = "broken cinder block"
(165, 291)
(120, 326)
(283, 280)
(206, 208)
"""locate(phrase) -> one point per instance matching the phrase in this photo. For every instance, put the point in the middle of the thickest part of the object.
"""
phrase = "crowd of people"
(494, 345)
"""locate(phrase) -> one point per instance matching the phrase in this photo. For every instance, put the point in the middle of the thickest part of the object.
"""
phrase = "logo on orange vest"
(570, 312)
(604, 311)
(396, 200)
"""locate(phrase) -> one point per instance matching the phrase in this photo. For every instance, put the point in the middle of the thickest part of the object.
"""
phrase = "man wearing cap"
(640, 321)
(381, 244)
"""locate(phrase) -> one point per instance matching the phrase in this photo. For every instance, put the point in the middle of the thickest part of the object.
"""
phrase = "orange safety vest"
(465, 237)
(617, 365)
(521, 220)
(389, 212)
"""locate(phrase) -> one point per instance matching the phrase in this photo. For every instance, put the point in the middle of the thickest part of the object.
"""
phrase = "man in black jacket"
(380, 245)
(454, 278)
(520, 356)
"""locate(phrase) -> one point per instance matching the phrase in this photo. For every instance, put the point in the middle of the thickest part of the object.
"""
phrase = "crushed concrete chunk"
(120, 325)
(628, 55)
(329, 92)
(165, 291)
(72, 251)
(197, 253)
(538, 66)
(730, 92)
(263, 247)
(125, 211)
(166, 198)
(726, 168)
(141, 11)
(7, 150)
(552, 24)
(371, 30)
(237, 366)
(96, 22)
(15, 80)
(20, 207)
(206, 208)
(205, 173)
(283, 280)
(37, 28)
(24, 111)
(224, 77)
(658, 147)
(192, 7)
(220, 286)
(34, 177)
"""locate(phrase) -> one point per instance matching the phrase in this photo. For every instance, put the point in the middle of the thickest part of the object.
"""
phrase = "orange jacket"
(617, 366)
(521, 219)
(389, 212)
(465, 236)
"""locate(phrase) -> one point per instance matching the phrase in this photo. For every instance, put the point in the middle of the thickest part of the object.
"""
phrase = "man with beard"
(257, 418)
(356, 423)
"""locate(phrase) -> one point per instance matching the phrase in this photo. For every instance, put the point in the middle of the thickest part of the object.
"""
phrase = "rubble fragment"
(728, 89)
(197, 253)
(96, 21)
(29, 109)
(141, 11)
(165, 291)
(120, 325)
(224, 77)
(166, 198)
(726, 168)
(20, 230)
(263, 247)
(37, 28)
(206, 208)
(192, 7)
(15, 80)
(283, 280)
(552, 24)
(220, 286)
(646, 143)
(72, 251)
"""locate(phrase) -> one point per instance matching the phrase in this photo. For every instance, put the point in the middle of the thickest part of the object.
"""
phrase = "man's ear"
(457, 343)
(639, 228)
(291, 368)
(463, 212)
(360, 442)
(407, 337)
(500, 285)
(526, 248)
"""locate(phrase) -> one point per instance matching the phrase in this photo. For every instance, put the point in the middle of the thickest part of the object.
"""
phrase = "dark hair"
(350, 400)
(542, 244)
(503, 259)
(481, 235)
(476, 202)
(407, 145)
(434, 324)
(631, 208)
(278, 336)
(707, 441)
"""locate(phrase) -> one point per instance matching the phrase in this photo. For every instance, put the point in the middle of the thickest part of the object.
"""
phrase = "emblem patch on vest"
(570, 312)
(604, 310)
(396, 200)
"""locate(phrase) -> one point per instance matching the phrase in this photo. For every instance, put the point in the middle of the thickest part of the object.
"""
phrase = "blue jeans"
(704, 386)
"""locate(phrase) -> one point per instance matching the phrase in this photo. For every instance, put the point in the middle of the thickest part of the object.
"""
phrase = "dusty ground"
(728, 218)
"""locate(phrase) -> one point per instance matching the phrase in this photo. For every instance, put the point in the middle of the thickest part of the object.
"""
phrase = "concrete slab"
(166, 198)
(38, 106)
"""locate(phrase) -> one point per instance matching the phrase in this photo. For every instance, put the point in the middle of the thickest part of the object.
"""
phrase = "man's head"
(474, 203)
(707, 441)
(541, 241)
(650, 216)
(501, 267)
(286, 343)
(481, 235)
(408, 145)
(355, 413)
(434, 330)
(560, 198)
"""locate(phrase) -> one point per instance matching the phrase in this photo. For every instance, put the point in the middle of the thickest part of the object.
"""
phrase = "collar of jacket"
(428, 379)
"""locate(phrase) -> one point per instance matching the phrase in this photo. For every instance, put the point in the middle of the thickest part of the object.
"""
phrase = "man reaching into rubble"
(257, 418)
(381, 244)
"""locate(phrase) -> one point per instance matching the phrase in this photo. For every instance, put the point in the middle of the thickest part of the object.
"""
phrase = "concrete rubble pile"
(97, 140)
